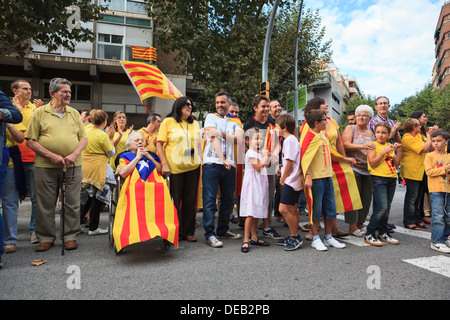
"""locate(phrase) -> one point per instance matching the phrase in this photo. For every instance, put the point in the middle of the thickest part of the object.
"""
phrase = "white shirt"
(291, 151)
(224, 125)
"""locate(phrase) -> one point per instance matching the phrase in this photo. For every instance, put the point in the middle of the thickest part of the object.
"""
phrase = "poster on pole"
(301, 101)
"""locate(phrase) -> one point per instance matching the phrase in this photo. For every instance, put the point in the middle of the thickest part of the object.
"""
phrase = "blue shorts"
(289, 196)
(323, 199)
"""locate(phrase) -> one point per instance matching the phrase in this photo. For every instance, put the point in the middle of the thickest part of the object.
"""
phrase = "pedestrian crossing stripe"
(437, 264)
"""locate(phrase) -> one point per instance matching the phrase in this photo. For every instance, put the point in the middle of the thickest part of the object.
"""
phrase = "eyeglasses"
(188, 104)
(362, 116)
(234, 112)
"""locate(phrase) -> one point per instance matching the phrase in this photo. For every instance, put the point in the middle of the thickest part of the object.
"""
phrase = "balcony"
(323, 82)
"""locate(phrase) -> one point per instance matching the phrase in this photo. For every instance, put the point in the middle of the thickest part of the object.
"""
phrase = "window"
(80, 92)
(109, 46)
(138, 7)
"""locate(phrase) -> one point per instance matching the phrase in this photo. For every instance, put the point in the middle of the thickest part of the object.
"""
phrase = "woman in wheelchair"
(144, 209)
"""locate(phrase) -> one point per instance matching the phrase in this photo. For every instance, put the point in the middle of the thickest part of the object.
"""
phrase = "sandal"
(422, 225)
(245, 249)
(358, 233)
(305, 227)
(412, 227)
(259, 243)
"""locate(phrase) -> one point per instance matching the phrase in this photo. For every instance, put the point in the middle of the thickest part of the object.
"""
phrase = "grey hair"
(131, 137)
(56, 82)
(364, 108)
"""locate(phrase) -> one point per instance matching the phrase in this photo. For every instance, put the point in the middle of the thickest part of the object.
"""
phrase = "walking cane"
(63, 203)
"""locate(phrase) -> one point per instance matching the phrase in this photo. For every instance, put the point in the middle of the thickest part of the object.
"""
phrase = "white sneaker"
(440, 247)
(368, 238)
(387, 238)
(213, 242)
(98, 231)
(333, 243)
(318, 245)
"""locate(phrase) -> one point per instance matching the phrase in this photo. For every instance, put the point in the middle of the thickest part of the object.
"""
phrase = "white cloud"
(387, 45)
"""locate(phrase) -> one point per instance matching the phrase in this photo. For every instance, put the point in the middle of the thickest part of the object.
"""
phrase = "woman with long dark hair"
(179, 148)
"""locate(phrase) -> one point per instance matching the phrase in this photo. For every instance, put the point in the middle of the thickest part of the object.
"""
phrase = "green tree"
(433, 102)
(354, 103)
(220, 43)
(46, 22)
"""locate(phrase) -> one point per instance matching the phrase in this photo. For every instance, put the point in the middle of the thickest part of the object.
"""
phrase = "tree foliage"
(435, 103)
(46, 22)
(220, 43)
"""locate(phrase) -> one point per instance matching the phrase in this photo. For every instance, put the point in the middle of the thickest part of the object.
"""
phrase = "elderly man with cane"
(57, 135)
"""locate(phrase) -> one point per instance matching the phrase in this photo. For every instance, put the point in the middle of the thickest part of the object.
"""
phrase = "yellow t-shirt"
(179, 137)
(386, 167)
(150, 147)
(412, 158)
(320, 166)
(120, 147)
(10, 142)
(27, 154)
(438, 179)
(98, 142)
(57, 134)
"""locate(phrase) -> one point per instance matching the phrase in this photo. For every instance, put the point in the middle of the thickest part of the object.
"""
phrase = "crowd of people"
(263, 167)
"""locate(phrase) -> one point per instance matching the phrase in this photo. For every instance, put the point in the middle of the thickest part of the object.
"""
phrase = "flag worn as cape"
(145, 209)
(149, 81)
(346, 191)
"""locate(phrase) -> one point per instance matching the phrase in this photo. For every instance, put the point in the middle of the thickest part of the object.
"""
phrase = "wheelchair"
(164, 245)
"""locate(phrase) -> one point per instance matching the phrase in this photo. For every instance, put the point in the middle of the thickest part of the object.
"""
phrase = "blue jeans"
(215, 175)
(411, 205)
(383, 193)
(323, 199)
(440, 220)
(29, 176)
(10, 197)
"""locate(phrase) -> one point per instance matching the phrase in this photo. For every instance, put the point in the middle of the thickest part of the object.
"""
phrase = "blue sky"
(387, 45)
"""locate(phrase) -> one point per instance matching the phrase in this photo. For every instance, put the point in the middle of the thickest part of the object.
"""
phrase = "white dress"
(255, 189)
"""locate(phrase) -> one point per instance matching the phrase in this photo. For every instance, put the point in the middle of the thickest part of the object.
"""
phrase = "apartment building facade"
(94, 69)
(441, 69)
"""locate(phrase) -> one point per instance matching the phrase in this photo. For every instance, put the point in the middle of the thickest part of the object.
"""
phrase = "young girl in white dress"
(254, 194)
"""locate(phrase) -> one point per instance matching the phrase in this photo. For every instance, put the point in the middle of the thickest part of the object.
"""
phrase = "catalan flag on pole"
(145, 209)
(149, 81)
(143, 53)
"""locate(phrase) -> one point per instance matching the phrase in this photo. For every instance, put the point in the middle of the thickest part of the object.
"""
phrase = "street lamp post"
(267, 42)
(295, 70)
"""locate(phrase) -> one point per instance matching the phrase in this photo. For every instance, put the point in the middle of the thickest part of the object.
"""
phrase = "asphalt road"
(198, 272)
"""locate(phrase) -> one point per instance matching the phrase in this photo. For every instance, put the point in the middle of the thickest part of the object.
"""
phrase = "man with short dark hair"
(219, 170)
(351, 117)
(261, 107)
(56, 133)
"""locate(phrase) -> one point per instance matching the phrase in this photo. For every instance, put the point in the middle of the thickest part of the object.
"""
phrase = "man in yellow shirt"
(22, 95)
(56, 133)
(150, 132)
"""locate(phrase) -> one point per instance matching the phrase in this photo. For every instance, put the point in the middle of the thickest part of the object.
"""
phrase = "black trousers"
(183, 189)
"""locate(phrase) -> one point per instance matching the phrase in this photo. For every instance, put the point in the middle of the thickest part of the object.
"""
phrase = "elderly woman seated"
(144, 209)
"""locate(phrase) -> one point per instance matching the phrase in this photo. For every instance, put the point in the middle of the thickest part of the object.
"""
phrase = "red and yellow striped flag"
(149, 81)
(346, 191)
(143, 53)
(145, 209)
